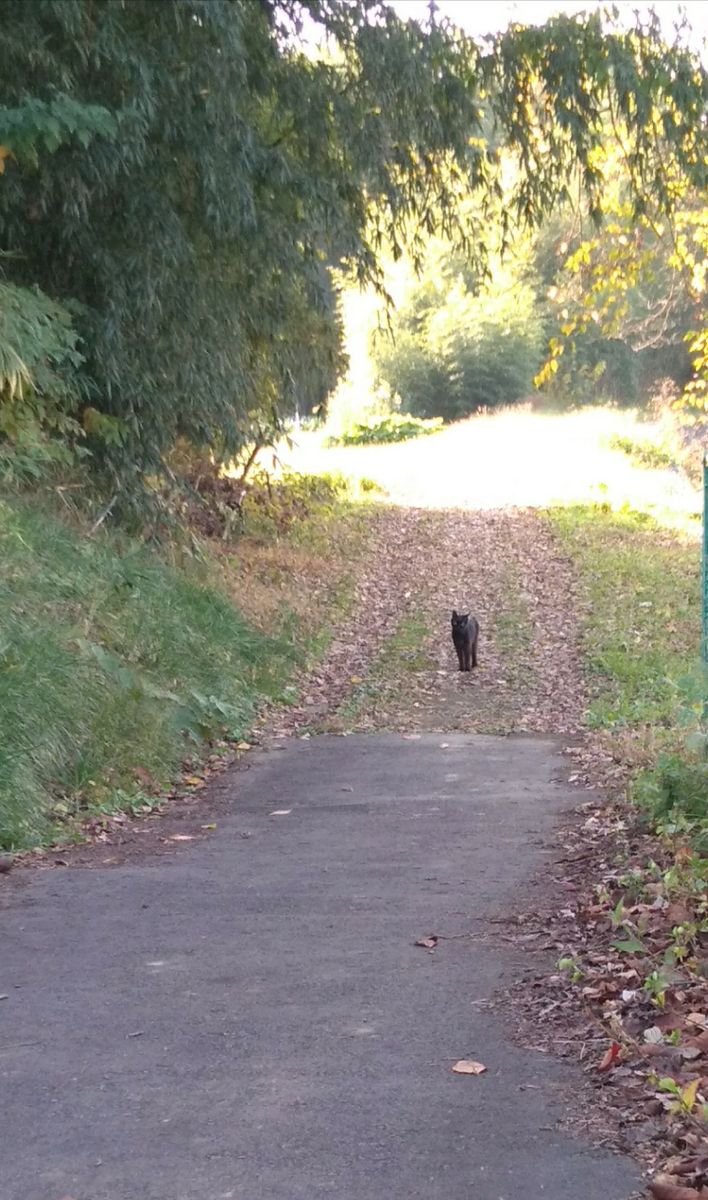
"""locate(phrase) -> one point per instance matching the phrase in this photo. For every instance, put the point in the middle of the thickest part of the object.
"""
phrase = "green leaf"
(630, 945)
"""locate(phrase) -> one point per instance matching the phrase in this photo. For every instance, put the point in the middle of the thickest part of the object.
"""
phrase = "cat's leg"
(467, 657)
(474, 653)
(460, 657)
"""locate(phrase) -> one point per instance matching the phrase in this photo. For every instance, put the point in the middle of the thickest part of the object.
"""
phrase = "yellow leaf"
(243, 746)
(195, 781)
(355, 679)
(211, 826)
(688, 1094)
(4, 153)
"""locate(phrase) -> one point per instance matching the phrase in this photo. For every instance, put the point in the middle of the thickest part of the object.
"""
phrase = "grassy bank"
(117, 662)
(640, 588)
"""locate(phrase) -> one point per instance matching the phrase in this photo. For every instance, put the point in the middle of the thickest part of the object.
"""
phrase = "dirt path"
(393, 666)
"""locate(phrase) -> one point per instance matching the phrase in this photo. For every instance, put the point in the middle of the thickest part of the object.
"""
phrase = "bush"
(646, 454)
(381, 430)
(455, 352)
(677, 787)
(221, 504)
(675, 792)
(40, 387)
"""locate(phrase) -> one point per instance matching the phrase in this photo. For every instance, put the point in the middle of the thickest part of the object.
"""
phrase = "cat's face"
(459, 620)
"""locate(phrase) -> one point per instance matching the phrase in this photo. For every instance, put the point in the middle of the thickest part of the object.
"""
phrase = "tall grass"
(641, 626)
(113, 660)
(641, 636)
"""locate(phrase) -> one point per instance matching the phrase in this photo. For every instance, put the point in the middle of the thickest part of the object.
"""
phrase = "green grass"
(113, 660)
(641, 635)
(644, 453)
(641, 627)
(403, 654)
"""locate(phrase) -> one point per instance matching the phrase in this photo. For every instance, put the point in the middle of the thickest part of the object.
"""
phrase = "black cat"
(465, 632)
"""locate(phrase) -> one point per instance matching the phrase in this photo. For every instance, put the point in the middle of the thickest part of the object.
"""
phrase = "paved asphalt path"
(250, 1020)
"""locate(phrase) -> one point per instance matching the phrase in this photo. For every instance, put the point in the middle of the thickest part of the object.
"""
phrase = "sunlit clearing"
(514, 458)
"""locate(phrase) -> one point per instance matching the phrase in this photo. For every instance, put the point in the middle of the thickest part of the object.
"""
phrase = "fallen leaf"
(610, 1056)
(468, 1066)
(684, 855)
(195, 781)
(689, 1093)
(144, 777)
(212, 825)
(281, 812)
(428, 943)
(663, 1187)
(697, 1018)
(355, 679)
(243, 746)
(630, 945)
(690, 1052)
(181, 837)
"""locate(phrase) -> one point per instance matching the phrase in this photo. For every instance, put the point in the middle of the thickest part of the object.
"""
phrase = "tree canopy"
(181, 177)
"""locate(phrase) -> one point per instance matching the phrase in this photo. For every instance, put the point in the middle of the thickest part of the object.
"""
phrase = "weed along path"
(251, 1018)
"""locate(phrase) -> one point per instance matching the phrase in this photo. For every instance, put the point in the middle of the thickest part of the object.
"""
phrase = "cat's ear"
(454, 615)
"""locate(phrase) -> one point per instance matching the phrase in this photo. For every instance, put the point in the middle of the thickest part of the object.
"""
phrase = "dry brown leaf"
(468, 1066)
(428, 943)
(665, 1187)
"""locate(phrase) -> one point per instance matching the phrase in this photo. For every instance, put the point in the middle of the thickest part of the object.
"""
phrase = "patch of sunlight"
(513, 458)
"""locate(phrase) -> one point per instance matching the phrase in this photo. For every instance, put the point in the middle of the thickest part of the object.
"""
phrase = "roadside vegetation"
(122, 665)
(377, 431)
(640, 630)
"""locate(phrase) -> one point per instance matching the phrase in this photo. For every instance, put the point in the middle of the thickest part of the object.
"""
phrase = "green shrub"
(40, 385)
(675, 791)
(677, 787)
(455, 352)
(275, 506)
(645, 453)
(381, 430)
